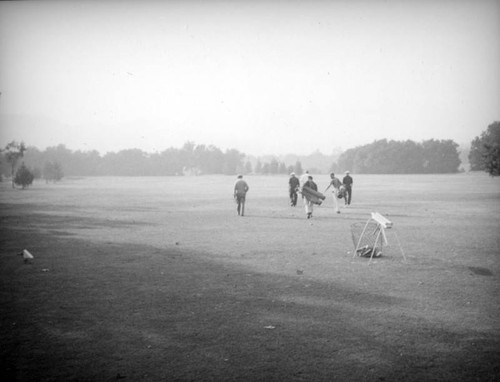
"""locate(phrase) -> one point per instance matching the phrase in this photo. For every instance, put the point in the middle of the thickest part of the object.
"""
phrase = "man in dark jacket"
(293, 186)
(347, 181)
(240, 191)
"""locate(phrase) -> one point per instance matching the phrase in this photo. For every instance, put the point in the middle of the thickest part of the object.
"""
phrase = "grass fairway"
(158, 279)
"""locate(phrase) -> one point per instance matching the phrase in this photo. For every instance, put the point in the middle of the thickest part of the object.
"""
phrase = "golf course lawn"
(159, 279)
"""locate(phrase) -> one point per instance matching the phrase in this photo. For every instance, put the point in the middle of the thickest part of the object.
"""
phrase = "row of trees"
(379, 157)
(190, 159)
(22, 175)
(275, 166)
(401, 157)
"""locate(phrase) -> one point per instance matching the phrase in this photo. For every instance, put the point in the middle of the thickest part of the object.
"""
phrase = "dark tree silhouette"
(24, 177)
(484, 153)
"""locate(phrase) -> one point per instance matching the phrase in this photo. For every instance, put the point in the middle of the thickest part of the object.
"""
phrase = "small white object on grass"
(27, 256)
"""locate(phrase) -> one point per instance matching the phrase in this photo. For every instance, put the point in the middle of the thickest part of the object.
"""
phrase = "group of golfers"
(340, 190)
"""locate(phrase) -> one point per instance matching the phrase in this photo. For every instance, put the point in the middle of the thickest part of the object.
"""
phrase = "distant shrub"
(52, 172)
(24, 177)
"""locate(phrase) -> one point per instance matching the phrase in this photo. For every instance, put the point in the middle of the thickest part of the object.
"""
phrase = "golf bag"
(342, 192)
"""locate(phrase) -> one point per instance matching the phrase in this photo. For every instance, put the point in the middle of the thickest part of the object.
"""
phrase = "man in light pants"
(335, 183)
(308, 203)
(304, 178)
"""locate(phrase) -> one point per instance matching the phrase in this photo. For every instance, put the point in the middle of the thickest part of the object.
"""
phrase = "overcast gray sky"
(264, 77)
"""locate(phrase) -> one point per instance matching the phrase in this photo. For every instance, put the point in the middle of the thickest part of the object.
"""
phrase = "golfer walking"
(303, 180)
(308, 204)
(347, 181)
(293, 187)
(335, 183)
(240, 191)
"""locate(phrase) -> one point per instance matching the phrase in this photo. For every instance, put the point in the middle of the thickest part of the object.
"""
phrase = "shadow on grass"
(95, 312)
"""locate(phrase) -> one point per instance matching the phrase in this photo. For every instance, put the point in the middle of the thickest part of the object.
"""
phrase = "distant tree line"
(315, 163)
(401, 157)
(57, 161)
(380, 157)
(275, 166)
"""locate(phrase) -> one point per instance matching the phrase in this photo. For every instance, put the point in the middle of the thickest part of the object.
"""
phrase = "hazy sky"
(259, 76)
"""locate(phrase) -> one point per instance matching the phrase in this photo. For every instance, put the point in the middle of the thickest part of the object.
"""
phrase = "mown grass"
(159, 279)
